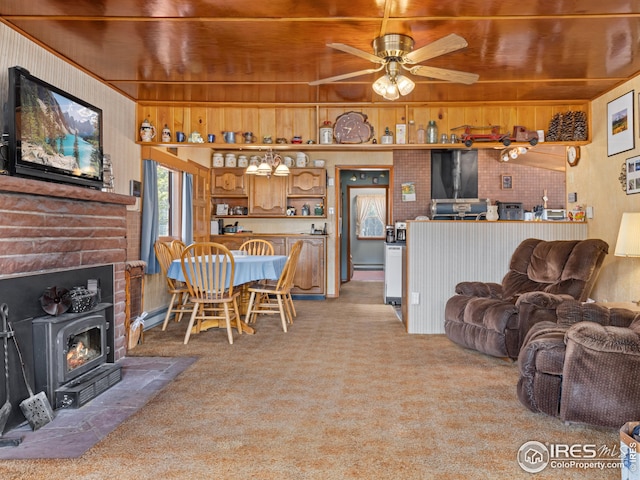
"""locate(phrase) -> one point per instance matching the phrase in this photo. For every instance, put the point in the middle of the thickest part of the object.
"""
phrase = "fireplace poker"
(36, 409)
(5, 411)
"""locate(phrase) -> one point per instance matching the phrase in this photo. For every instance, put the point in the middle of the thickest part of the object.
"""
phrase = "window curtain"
(187, 208)
(150, 216)
(365, 203)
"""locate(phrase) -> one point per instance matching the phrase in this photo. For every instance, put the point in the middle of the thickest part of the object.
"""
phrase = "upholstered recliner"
(584, 367)
(542, 274)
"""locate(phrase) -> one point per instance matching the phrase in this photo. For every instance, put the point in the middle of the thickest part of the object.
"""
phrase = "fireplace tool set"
(36, 408)
(5, 411)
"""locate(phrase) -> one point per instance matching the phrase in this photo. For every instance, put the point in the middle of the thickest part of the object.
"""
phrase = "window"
(371, 216)
(169, 204)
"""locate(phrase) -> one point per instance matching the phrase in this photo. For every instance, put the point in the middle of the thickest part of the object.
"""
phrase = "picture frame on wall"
(620, 124)
(633, 175)
(507, 182)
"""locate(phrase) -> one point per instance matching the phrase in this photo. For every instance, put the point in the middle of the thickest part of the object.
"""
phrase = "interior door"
(201, 203)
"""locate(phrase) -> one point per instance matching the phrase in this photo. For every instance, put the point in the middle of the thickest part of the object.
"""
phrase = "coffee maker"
(401, 231)
(391, 234)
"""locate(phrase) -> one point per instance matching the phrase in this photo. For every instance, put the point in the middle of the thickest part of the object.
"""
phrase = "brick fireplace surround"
(47, 226)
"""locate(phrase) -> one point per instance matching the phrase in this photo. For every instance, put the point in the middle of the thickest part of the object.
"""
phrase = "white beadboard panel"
(440, 254)
(119, 112)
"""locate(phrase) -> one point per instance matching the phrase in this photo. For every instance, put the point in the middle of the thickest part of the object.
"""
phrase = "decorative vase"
(492, 213)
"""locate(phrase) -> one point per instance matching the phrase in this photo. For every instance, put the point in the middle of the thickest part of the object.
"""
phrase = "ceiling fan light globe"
(380, 85)
(405, 85)
(391, 93)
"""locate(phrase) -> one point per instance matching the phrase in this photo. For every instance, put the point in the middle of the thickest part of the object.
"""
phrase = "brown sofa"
(494, 318)
(583, 367)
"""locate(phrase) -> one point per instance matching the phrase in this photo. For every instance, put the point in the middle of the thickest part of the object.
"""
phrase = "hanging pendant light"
(269, 162)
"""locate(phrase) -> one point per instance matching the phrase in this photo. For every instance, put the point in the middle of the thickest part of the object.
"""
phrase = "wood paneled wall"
(288, 121)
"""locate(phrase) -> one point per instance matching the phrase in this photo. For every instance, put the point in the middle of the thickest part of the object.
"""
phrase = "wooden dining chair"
(257, 246)
(177, 247)
(179, 292)
(209, 269)
(276, 298)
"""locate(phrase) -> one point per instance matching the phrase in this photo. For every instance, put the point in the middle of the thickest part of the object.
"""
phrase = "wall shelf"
(313, 147)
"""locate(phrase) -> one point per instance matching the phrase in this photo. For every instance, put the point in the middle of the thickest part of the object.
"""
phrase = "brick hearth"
(46, 226)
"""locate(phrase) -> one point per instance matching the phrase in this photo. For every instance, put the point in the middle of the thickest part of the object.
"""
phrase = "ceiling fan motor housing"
(392, 45)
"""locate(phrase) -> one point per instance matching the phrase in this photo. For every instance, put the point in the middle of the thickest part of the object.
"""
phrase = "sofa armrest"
(600, 375)
(605, 339)
(536, 307)
(479, 289)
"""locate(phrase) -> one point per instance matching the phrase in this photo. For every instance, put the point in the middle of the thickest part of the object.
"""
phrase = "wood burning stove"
(70, 357)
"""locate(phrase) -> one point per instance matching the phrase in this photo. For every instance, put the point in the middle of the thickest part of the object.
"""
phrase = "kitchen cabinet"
(257, 196)
(267, 195)
(229, 182)
(310, 278)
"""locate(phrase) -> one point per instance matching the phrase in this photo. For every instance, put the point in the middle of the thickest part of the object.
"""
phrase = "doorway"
(361, 221)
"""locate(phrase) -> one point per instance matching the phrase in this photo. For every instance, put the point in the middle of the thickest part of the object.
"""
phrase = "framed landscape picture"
(620, 124)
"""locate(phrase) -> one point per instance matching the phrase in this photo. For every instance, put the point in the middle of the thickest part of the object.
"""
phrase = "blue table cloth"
(249, 268)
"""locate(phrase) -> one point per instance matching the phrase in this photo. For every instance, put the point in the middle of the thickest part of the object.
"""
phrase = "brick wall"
(528, 182)
(47, 226)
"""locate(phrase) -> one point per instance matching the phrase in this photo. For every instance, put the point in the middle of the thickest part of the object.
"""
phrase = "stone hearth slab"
(74, 431)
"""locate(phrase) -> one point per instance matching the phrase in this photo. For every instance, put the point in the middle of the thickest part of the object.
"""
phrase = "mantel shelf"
(346, 147)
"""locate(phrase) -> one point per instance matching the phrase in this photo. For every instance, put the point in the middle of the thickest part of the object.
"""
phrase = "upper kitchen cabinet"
(267, 195)
(307, 182)
(228, 182)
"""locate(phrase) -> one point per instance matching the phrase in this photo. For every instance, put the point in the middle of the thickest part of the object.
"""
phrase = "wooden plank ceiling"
(268, 52)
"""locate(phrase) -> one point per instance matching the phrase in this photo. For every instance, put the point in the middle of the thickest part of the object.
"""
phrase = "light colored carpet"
(345, 394)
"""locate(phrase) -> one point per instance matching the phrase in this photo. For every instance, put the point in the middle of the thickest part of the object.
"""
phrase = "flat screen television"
(53, 135)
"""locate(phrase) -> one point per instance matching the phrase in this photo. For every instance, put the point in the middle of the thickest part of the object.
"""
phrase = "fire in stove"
(80, 350)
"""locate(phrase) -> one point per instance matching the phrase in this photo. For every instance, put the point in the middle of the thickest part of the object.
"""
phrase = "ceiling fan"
(394, 52)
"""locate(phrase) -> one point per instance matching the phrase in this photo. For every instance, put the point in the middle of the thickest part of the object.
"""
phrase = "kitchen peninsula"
(442, 253)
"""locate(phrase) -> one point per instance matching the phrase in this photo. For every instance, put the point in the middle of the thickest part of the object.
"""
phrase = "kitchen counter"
(442, 253)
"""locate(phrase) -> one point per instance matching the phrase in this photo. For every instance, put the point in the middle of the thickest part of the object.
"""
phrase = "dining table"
(248, 269)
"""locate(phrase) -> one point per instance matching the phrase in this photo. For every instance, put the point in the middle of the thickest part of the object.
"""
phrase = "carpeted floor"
(345, 394)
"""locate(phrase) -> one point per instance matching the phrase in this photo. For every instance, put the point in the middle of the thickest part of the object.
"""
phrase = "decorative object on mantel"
(567, 127)
(107, 174)
(630, 175)
(352, 127)
(147, 131)
(267, 164)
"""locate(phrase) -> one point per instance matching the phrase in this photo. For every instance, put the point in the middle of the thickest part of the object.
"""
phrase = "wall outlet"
(415, 298)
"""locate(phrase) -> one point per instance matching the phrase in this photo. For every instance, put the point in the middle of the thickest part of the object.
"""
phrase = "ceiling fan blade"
(356, 51)
(444, 74)
(447, 44)
(344, 76)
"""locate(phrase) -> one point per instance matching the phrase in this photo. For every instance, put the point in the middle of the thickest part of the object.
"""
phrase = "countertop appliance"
(459, 208)
(401, 231)
(510, 211)
(393, 272)
(390, 236)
